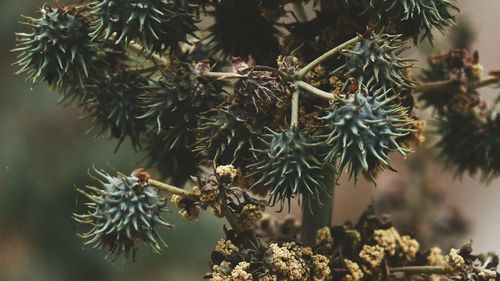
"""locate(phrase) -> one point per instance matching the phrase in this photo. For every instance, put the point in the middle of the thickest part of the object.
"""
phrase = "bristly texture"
(362, 130)
(240, 30)
(469, 142)
(375, 62)
(58, 47)
(173, 102)
(291, 167)
(113, 104)
(155, 24)
(416, 17)
(227, 135)
(123, 213)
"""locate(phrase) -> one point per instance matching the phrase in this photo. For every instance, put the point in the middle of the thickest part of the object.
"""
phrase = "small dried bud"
(372, 255)
(387, 239)
(354, 273)
(435, 257)
(226, 248)
(409, 247)
(227, 173)
(454, 263)
(320, 269)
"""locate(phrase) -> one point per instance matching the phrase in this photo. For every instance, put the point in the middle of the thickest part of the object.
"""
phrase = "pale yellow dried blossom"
(454, 263)
(409, 247)
(176, 199)
(227, 171)
(221, 272)
(372, 255)
(320, 269)
(226, 248)
(191, 213)
(435, 257)
(287, 263)
(240, 273)
(354, 272)
(324, 238)
(250, 214)
(206, 195)
(387, 239)
(268, 277)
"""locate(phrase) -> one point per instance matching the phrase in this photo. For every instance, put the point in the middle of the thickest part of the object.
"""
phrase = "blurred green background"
(44, 154)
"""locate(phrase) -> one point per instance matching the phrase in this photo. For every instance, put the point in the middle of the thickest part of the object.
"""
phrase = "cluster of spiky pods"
(258, 94)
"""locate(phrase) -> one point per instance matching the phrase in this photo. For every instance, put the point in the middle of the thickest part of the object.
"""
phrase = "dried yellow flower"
(354, 272)
(324, 239)
(226, 248)
(387, 239)
(320, 269)
(409, 247)
(227, 172)
(240, 273)
(435, 257)
(372, 255)
(454, 263)
(287, 263)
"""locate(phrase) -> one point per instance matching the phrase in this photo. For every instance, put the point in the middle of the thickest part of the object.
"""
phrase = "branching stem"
(440, 86)
(328, 55)
(315, 91)
(294, 123)
(172, 189)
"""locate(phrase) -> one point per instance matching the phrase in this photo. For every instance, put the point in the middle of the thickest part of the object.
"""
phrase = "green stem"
(299, 11)
(294, 123)
(315, 91)
(420, 270)
(440, 86)
(327, 55)
(172, 189)
(316, 215)
(221, 75)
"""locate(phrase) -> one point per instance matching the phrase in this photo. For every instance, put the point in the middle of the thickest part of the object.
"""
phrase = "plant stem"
(315, 91)
(299, 11)
(221, 75)
(328, 55)
(440, 86)
(139, 49)
(172, 189)
(420, 270)
(316, 216)
(294, 123)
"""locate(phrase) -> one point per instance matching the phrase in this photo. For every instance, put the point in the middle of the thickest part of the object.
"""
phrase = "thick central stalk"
(316, 215)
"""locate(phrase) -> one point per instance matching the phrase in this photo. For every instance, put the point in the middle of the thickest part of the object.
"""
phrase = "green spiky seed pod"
(464, 142)
(416, 17)
(156, 24)
(173, 102)
(291, 167)
(123, 213)
(362, 130)
(58, 47)
(375, 62)
(113, 104)
(227, 136)
(240, 30)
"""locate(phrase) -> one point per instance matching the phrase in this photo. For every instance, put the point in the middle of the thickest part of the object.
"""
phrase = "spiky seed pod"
(227, 136)
(290, 167)
(58, 47)
(114, 104)
(260, 91)
(375, 61)
(173, 102)
(464, 142)
(123, 213)
(362, 130)
(155, 24)
(240, 30)
(416, 17)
